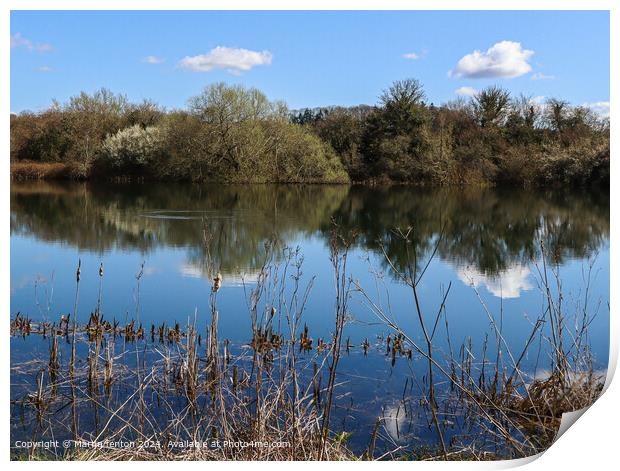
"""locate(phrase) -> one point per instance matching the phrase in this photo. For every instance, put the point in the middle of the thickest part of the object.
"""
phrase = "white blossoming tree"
(133, 146)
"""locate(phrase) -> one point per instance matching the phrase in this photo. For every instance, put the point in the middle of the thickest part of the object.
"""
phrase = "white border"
(590, 444)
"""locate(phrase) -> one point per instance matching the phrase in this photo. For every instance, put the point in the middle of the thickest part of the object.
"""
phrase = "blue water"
(484, 244)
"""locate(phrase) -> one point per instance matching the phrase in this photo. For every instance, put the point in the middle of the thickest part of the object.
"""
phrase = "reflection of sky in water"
(175, 283)
(508, 283)
(245, 277)
(396, 422)
(173, 288)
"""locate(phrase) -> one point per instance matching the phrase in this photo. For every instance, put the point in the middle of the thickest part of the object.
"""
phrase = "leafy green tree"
(342, 128)
(403, 106)
(394, 140)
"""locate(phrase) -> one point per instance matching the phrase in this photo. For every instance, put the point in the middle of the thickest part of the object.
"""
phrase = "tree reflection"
(489, 230)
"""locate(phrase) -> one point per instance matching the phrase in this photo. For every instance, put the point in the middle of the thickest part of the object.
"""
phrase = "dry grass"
(28, 170)
(187, 384)
(512, 415)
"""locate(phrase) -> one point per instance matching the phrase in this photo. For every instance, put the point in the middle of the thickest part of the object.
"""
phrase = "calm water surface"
(486, 241)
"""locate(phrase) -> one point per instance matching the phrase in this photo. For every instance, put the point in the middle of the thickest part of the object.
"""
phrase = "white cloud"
(233, 60)
(411, 56)
(505, 59)
(466, 91)
(152, 60)
(506, 284)
(17, 40)
(602, 108)
(43, 47)
(541, 76)
(44, 68)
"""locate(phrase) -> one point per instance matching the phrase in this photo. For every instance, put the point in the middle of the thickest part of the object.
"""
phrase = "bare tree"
(403, 93)
(556, 113)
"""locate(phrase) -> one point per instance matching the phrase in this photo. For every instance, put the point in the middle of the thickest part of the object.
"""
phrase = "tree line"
(236, 134)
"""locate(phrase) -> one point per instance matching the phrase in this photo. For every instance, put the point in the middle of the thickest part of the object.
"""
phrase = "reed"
(518, 415)
(181, 382)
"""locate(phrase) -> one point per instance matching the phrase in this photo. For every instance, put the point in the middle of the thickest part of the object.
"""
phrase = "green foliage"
(394, 143)
(343, 437)
(303, 157)
(342, 129)
(236, 134)
(403, 108)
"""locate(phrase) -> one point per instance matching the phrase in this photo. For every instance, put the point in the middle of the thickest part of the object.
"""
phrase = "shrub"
(304, 157)
(236, 134)
(132, 147)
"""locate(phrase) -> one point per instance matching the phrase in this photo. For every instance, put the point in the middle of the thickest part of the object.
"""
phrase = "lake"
(483, 245)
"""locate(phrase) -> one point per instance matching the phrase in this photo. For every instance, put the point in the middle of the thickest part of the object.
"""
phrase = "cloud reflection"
(228, 279)
(508, 284)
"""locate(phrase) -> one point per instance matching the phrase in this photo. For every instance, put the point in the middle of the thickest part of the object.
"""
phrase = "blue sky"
(307, 58)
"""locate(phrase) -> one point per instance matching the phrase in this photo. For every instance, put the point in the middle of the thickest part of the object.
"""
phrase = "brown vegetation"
(182, 386)
(29, 170)
(235, 134)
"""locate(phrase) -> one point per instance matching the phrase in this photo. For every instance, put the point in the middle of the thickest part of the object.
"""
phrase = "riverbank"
(23, 171)
(28, 170)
